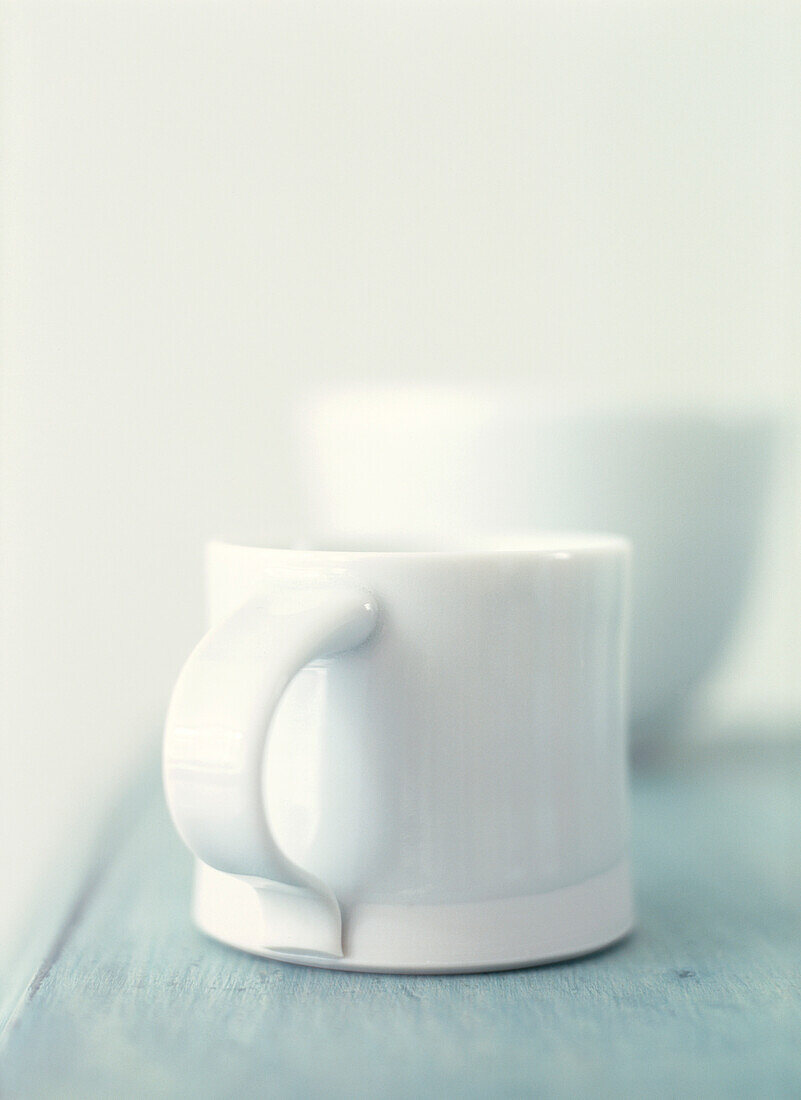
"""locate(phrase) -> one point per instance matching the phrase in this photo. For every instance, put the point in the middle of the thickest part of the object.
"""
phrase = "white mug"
(687, 488)
(445, 782)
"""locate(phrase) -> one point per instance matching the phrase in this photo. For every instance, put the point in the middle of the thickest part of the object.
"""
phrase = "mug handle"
(214, 743)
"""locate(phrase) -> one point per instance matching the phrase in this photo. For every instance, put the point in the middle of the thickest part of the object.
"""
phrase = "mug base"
(470, 937)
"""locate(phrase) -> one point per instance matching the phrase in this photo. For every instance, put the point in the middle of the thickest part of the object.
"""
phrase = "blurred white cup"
(688, 489)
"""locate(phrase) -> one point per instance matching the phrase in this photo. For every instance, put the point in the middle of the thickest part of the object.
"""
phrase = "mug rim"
(554, 545)
(484, 402)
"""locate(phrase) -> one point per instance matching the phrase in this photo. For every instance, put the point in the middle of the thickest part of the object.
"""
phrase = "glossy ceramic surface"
(445, 782)
(688, 489)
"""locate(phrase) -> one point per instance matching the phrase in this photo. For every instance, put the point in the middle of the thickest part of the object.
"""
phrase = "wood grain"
(704, 1000)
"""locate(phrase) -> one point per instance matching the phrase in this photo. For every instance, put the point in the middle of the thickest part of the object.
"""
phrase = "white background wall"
(206, 205)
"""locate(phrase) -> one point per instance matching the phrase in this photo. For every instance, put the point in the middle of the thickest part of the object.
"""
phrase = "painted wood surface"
(704, 1000)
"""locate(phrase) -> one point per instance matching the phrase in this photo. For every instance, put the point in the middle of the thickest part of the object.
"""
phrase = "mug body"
(459, 781)
(687, 489)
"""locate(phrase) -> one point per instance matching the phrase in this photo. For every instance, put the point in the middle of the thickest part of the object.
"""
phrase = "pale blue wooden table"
(704, 1000)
